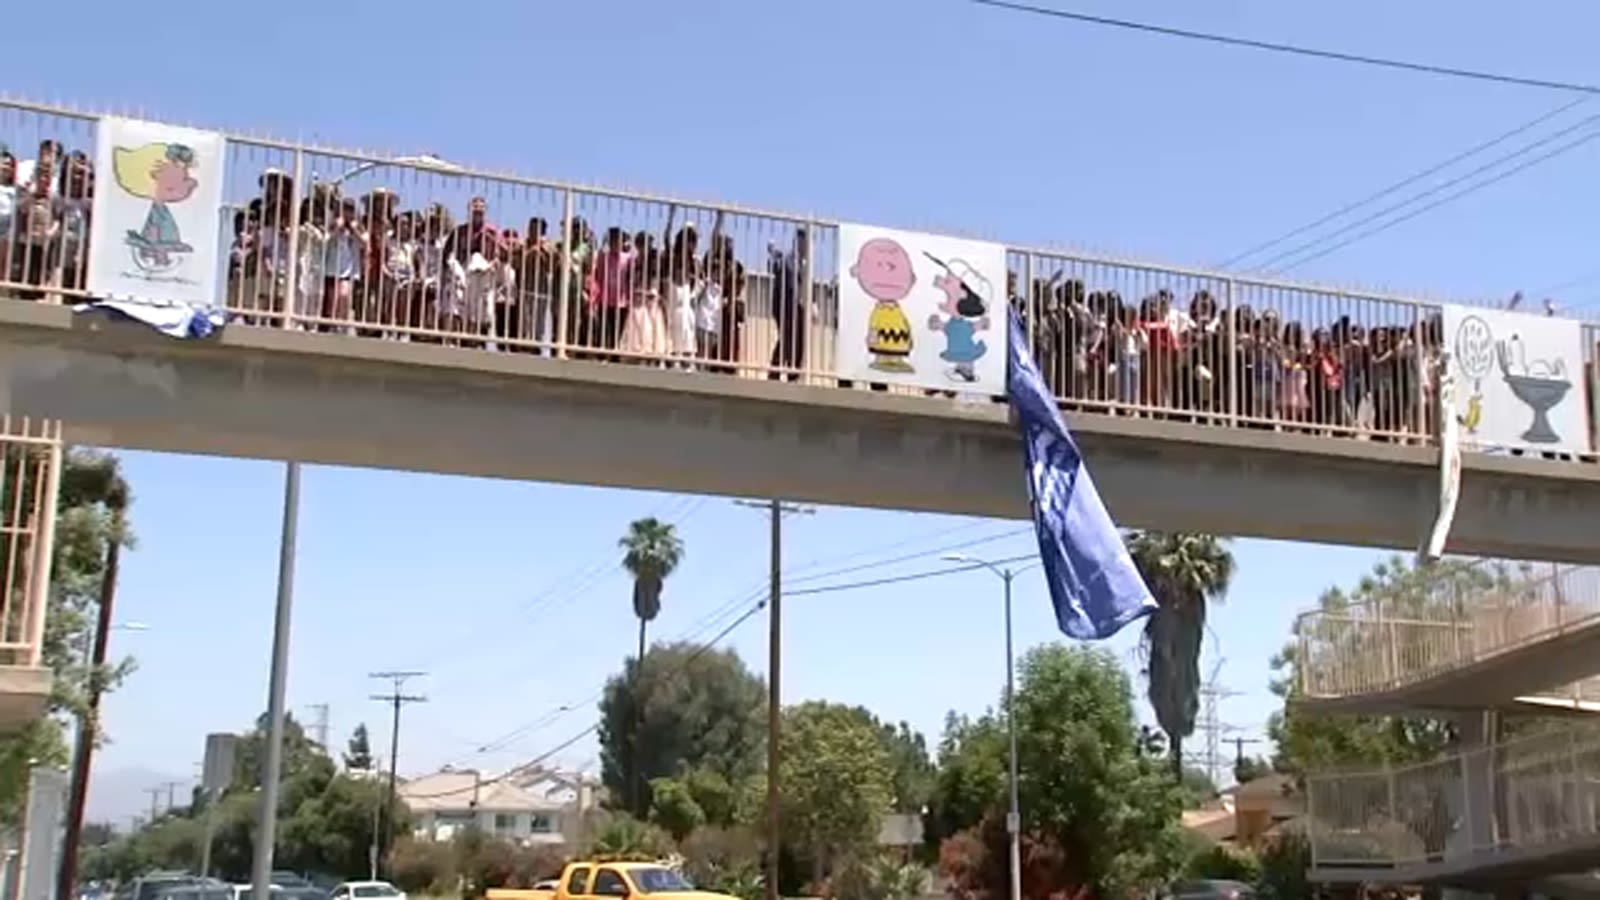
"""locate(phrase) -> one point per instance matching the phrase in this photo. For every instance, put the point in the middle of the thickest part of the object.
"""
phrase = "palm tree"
(1184, 572)
(651, 552)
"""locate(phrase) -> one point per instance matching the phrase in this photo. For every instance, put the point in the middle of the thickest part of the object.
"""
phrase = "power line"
(1403, 183)
(1294, 49)
(709, 645)
(739, 601)
(580, 581)
(688, 661)
(1395, 207)
(896, 579)
(1469, 189)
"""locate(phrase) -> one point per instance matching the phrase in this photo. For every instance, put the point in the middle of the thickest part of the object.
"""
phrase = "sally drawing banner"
(154, 237)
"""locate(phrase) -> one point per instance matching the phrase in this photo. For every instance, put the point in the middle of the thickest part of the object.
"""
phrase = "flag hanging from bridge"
(1094, 586)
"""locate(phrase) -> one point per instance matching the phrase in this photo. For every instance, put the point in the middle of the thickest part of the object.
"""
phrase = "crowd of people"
(364, 265)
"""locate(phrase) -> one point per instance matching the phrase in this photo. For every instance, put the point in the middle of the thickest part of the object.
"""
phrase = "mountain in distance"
(117, 795)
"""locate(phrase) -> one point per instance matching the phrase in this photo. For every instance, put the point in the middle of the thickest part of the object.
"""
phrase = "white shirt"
(708, 305)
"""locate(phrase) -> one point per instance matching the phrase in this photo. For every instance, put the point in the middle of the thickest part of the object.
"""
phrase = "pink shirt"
(613, 277)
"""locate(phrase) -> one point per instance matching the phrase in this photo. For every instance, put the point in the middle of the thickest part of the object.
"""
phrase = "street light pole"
(277, 687)
(1014, 807)
(1014, 814)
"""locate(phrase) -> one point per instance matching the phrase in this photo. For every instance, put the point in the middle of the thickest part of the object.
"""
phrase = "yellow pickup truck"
(594, 880)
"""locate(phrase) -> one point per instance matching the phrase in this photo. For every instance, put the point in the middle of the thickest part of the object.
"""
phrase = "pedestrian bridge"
(362, 369)
(1490, 635)
(1504, 815)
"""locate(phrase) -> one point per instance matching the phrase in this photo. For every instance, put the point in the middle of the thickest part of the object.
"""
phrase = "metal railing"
(30, 464)
(1468, 613)
(1540, 790)
(333, 241)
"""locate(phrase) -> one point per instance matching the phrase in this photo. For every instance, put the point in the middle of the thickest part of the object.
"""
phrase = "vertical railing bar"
(44, 550)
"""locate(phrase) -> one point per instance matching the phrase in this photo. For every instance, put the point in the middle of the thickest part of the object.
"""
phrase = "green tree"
(913, 770)
(1185, 572)
(971, 775)
(1248, 768)
(90, 514)
(305, 764)
(674, 808)
(358, 755)
(716, 796)
(688, 707)
(837, 780)
(1197, 787)
(1098, 808)
(1305, 742)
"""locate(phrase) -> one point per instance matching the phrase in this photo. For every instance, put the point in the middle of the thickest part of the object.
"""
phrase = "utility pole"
(1238, 749)
(155, 801)
(171, 787)
(89, 726)
(775, 513)
(319, 725)
(1212, 726)
(395, 698)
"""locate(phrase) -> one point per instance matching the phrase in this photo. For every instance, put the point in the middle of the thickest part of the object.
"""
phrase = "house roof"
(453, 791)
(1216, 824)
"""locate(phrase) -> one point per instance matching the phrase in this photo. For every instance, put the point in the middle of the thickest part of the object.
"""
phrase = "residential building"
(539, 806)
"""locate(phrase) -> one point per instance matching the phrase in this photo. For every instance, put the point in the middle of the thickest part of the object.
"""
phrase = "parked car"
(198, 889)
(367, 890)
(151, 885)
(1212, 889)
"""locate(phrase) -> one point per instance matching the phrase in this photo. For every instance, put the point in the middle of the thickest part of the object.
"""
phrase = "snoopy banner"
(1519, 379)
(153, 236)
(921, 309)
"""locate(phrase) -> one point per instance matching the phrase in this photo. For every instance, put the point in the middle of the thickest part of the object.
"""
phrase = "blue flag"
(1094, 586)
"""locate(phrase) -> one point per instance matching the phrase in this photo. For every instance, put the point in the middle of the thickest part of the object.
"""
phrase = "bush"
(536, 863)
(878, 878)
(1284, 862)
(623, 837)
(483, 861)
(977, 862)
(1221, 862)
(711, 855)
(422, 867)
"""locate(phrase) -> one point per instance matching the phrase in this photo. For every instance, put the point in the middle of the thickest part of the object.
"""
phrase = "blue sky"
(930, 114)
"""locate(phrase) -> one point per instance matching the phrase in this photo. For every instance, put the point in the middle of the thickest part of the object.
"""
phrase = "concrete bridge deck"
(332, 399)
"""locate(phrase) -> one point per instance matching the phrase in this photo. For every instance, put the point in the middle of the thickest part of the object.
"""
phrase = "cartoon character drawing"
(965, 307)
(883, 269)
(160, 173)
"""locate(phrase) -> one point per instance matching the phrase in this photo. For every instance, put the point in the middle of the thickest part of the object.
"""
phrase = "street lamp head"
(131, 626)
(430, 162)
(955, 557)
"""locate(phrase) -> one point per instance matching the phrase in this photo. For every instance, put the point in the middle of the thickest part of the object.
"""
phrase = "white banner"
(1449, 469)
(153, 237)
(1519, 379)
(922, 310)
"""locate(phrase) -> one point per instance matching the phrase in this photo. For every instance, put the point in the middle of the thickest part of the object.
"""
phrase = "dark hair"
(970, 305)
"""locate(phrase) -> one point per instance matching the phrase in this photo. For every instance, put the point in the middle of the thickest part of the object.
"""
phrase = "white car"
(367, 890)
